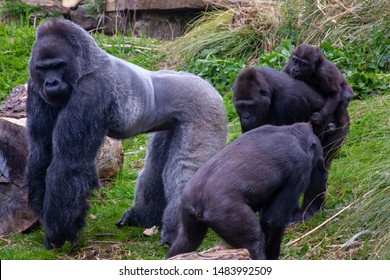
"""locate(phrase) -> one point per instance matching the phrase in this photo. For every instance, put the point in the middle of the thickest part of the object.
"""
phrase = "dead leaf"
(151, 231)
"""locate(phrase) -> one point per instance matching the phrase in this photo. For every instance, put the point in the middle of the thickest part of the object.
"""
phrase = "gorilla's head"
(60, 57)
(304, 61)
(252, 98)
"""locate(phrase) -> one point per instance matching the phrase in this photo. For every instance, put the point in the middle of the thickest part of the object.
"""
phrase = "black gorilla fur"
(265, 170)
(77, 94)
(308, 64)
(267, 96)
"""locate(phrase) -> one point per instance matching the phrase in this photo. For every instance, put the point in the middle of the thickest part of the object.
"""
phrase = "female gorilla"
(264, 170)
(77, 94)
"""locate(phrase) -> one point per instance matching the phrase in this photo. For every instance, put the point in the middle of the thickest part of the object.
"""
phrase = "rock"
(165, 25)
(15, 215)
(120, 5)
(55, 5)
(70, 3)
(15, 104)
(79, 17)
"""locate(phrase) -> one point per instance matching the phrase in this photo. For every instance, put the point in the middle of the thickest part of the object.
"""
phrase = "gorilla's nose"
(52, 83)
(245, 116)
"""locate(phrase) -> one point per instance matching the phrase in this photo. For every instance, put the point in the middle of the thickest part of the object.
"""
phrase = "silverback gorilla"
(308, 64)
(77, 94)
(267, 96)
(264, 170)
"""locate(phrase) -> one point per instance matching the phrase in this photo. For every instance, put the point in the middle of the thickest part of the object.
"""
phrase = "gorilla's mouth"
(56, 98)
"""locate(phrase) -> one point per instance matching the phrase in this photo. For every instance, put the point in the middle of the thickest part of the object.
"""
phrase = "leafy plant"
(221, 73)
(277, 58)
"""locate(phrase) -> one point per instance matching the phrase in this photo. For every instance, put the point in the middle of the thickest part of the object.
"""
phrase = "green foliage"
(15, 45)
(144, 52)
(94, 7)
(277, 58)
(221, 73)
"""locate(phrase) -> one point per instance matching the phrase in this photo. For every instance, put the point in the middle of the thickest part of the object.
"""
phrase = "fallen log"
(218, 252)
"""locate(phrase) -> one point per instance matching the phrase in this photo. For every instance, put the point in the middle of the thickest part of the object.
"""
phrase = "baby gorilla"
(265, 170)
(308, 64)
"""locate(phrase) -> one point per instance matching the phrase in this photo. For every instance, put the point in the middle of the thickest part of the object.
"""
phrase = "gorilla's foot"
(167, 237)
(56, 242)
(129, 218)
(300, 216)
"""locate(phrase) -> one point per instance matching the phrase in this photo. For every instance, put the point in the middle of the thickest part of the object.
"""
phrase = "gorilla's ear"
(319, 56)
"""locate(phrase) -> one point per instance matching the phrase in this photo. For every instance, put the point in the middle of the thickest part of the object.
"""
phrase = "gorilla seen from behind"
(267, 96)
(77, 94)
(264, 170)
(308, 64)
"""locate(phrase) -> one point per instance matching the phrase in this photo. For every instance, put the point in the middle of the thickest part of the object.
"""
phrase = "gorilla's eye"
(58, 65)
(40, 68)
(50, 66)
(262, 92)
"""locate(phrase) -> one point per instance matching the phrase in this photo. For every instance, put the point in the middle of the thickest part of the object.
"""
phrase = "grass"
(359, 175)
(15, 46)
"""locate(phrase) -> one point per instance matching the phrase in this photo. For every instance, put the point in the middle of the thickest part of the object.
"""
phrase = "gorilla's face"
(303, 62)
(252, 99)
(51, 70)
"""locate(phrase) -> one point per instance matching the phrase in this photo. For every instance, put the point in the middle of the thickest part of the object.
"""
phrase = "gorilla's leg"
(191, 146)
(190, 236)
(65, 202)
(149, 202)
(277, 214)
(315, 194)
(41, 121)
(238, 225)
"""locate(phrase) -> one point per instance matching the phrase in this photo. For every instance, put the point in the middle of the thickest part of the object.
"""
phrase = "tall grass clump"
(356, 22)
(259, 27)
(233, 31)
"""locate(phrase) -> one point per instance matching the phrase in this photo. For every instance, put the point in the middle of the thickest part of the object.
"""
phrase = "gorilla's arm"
(329, 82)
(77, 136)
(41, 121)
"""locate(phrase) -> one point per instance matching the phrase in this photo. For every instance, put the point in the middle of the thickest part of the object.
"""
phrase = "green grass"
(15, 45)
(359, 174)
